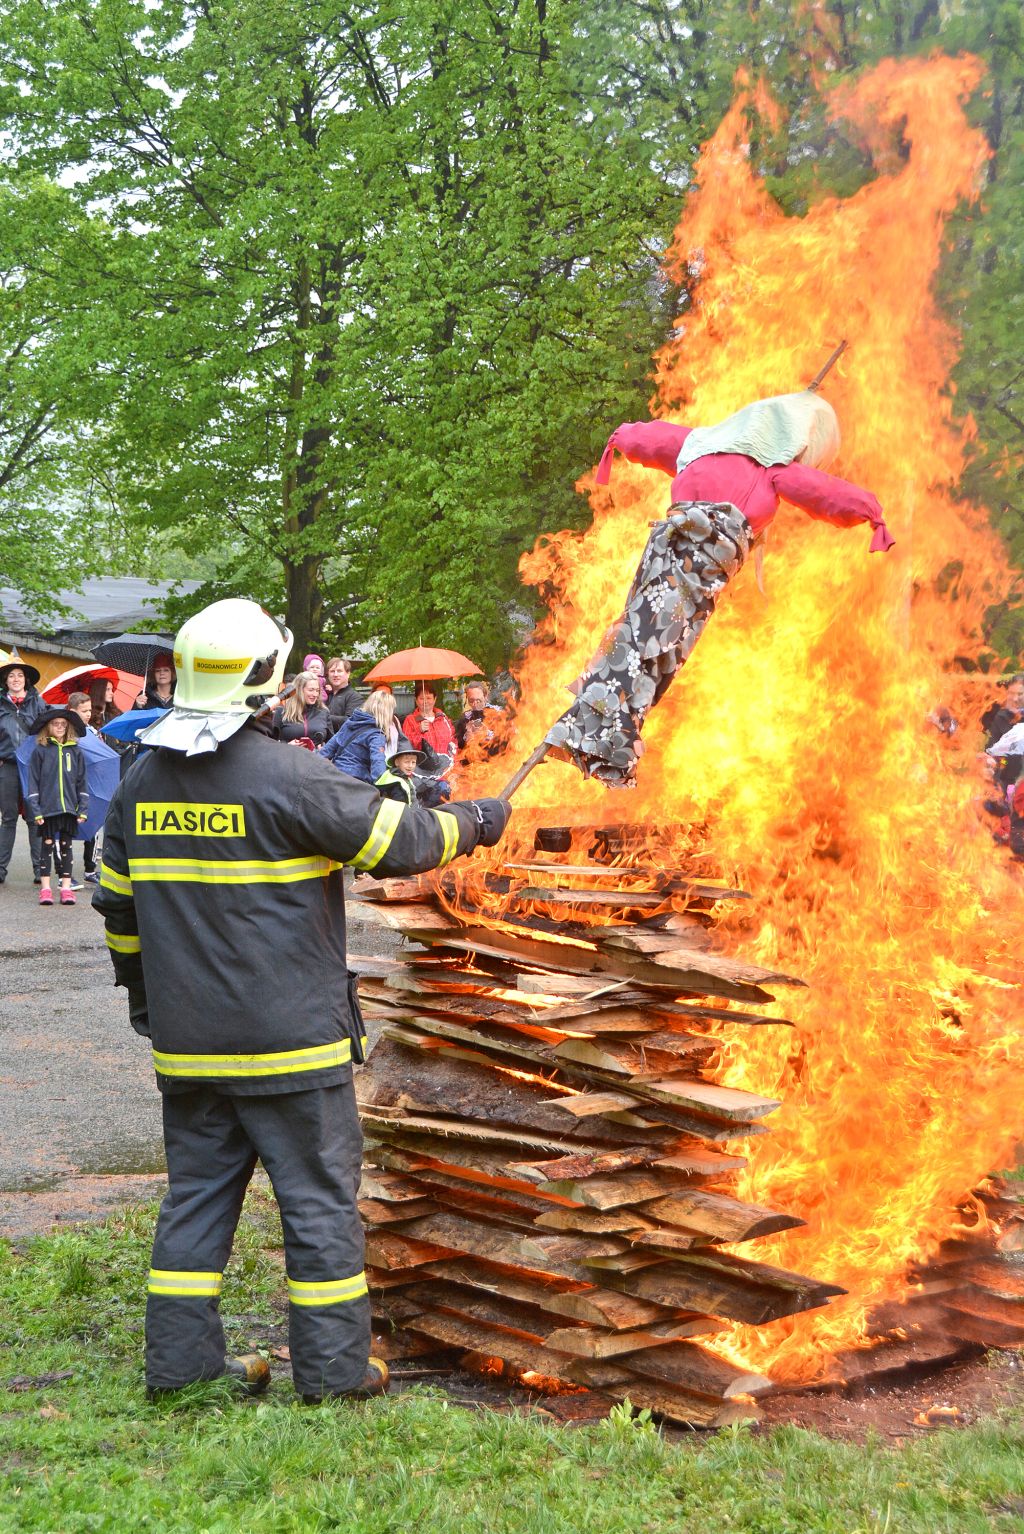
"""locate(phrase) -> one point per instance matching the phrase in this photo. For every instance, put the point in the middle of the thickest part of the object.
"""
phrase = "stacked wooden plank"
(550, 1169)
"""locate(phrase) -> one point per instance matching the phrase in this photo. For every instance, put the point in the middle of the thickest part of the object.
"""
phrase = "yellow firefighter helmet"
(229, 652)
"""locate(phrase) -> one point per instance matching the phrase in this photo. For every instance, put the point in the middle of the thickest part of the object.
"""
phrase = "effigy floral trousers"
(687, 563)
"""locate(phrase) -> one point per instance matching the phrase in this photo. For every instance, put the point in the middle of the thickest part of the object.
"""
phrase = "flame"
(796, 739)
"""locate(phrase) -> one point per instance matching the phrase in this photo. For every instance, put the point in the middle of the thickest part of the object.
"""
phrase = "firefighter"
(222, 851)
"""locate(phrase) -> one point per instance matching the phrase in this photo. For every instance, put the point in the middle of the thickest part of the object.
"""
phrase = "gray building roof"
(104, 607)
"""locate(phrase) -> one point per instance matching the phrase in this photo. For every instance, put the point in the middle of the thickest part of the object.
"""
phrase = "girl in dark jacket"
(303, 717)
(58, 799)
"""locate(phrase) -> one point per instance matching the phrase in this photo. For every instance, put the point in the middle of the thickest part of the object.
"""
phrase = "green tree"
(376, 280)
(47, 394)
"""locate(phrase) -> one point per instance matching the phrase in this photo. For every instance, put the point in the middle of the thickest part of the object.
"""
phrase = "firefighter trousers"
(311, 1146)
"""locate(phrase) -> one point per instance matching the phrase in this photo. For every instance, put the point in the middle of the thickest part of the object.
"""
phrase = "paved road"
(79, 1109)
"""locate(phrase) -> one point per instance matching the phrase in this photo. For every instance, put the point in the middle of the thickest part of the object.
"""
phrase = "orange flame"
(796, 735)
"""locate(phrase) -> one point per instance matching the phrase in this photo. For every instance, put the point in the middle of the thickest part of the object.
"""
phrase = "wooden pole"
(532, 761)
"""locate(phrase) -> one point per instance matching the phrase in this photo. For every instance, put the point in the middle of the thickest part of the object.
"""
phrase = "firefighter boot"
(249, 1373)
(374, 1382)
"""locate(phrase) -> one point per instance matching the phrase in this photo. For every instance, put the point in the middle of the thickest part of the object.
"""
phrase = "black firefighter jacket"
(221, 890)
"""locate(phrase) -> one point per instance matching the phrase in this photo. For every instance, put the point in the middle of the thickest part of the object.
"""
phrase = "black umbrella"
(132, 652)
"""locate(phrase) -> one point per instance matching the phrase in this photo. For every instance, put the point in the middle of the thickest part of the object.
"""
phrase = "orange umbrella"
(423, 664)
(126, 686)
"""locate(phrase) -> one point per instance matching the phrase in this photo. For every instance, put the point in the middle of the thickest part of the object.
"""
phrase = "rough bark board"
(646, 1058)
(491, 1168)
(505, 1244)
(589, 1342)
(655, 939)
(613, 899)
(375, 1213)
(693, 1411)
(448, 1192)
(613, 1190)
(583, 1166)
(712, 975)
(597, 1307)
(411, 888)
(690, 1367)
(393, 1252)
(974, 1302)
(470, 1305)
(686, 1285)
(987, 1333)
(385, 1123)
(403, 918)
(761, 1273)
(587, 1105)
(410, 1080)
(476, 1337)
(718, 1215)
(592, 1221)
(708, 1098)
(701, 1162)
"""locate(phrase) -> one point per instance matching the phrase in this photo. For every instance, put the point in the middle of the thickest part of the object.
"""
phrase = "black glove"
(493, 816)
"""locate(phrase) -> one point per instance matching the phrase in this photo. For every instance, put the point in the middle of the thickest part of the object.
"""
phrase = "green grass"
(92, 1454)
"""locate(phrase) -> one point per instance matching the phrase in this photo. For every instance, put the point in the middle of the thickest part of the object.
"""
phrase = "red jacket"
(756, 491)
(439, 733)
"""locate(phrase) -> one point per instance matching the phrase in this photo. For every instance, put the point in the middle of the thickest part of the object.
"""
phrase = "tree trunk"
(304, 604)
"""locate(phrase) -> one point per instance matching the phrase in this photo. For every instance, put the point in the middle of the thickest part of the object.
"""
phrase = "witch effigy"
(728, 481)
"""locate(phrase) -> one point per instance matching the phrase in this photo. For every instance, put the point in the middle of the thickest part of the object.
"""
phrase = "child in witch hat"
(58, 799)
(406, 780)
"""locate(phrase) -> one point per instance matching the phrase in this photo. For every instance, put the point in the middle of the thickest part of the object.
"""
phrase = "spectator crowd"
(415, 757)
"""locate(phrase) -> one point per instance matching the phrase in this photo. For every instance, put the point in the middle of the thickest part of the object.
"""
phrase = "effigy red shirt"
(752, 488)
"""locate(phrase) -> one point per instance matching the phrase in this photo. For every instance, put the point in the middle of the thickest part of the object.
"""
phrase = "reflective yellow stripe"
(329, 1291)
(112, 880)
(168, 1281)
(284, 1063)
(121, 944)
(450, 827)
(380, 838)
(226, 871)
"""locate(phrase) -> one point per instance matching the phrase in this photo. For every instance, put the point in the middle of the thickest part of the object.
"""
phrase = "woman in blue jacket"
(360, 745)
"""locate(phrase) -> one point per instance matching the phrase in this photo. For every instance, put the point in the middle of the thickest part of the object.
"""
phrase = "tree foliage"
(376, 279)
(338, 303)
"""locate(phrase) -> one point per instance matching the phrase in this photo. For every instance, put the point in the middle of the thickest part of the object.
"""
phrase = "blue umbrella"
(102, 775)
(129, 725)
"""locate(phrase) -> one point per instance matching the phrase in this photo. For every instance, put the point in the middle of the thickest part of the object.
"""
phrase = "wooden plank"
(391, 1251)
(615, 899)
(502, 1243)
(589, 1342)
(690, 1367)
(692, 1283)
(374, 1212)
(408, 1079)
(592, 1221)
(603, 1308)
(385, 1124)
(616, 1189)
(727, 1219)
(707, 1097)
(405, 918)
(691, 1158)
(706, 974)
(678, 1406)
(473, 1167)
(658, 1051)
